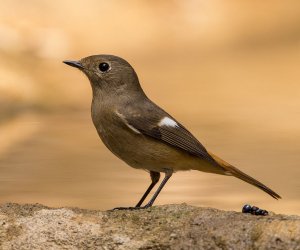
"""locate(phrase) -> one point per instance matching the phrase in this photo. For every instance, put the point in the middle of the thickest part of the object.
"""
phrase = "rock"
(160, 227)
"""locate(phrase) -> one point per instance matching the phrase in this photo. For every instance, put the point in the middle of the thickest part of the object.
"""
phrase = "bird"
(142, 134)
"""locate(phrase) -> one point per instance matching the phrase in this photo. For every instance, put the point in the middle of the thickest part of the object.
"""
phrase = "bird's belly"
(143, 152)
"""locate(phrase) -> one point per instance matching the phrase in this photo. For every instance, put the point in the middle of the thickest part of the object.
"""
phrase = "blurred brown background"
(228, 70)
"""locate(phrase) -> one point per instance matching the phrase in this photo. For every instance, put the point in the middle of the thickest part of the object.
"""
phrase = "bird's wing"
(166, 130)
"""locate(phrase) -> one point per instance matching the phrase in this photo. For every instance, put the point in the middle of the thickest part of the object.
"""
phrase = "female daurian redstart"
(141, 133)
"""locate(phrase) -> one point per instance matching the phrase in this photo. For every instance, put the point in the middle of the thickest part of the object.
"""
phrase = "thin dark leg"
(150, 203)
(154, 178)
(162, 184)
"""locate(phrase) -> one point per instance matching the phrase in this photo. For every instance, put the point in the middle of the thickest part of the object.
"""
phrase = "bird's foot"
(125, 208)
(132, 208)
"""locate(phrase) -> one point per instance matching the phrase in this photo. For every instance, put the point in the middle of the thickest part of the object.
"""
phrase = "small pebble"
(246, 208)
(173, 235)
(258, 212)
(254, 210)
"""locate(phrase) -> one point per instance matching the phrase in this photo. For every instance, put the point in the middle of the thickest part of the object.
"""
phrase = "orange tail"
(231, 170)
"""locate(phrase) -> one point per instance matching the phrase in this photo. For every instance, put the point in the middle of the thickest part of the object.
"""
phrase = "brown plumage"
(141, 133)
(239, 174)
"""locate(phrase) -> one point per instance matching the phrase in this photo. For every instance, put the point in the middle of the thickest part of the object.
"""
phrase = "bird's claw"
(131, 208)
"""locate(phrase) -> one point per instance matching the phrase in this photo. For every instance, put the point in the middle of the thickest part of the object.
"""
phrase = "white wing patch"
(128, 125)
(132, 128)
(166, 121)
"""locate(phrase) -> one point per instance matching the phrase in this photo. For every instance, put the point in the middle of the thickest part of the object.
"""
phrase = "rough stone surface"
(161, 227)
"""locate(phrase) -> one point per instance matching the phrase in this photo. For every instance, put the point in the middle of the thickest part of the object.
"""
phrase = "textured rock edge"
(34, 226)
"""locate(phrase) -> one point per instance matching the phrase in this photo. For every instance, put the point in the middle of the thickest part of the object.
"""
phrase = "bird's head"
(108, 73)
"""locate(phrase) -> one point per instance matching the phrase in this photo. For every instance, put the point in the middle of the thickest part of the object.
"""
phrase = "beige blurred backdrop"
(228, 70)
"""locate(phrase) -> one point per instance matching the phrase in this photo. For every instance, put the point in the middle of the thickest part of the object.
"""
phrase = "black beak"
(75, 64)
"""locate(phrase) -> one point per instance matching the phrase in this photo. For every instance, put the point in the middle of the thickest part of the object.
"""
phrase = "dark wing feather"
(177, 136)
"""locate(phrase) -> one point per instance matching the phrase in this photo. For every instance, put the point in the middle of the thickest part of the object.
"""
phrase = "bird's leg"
(168, 174)
(154, 179)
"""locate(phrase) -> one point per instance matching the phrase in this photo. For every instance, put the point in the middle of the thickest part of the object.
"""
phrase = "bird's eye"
(104, 67)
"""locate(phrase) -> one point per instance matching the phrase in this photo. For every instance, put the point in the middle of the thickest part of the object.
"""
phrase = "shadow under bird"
(141, 133)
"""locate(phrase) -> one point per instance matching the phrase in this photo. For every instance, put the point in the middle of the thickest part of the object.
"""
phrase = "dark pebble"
(246, 208)
(253, 209)
(258, 211)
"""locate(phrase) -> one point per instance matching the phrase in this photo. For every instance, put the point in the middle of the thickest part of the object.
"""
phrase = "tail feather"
(231, 170)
